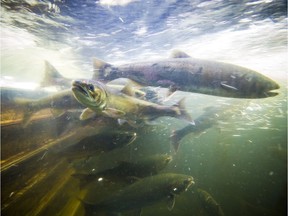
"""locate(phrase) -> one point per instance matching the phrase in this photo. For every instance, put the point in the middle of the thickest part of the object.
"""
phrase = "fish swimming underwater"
(141, 168)
(83, 139)
(58, 103)
(192, 75)
(144, 192)
(209, 203)
(100, 142)
(100, 99)
(210, 117)
(52, 77)
(64, 99)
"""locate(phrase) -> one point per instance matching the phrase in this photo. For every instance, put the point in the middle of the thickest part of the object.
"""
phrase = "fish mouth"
(77, 87)
(183, 186)
(271, 89)
(189, 182)
(271, 93)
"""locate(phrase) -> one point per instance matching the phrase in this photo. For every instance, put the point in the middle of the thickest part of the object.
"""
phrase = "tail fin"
(27, 107)
(182, 113)
(99, 69)
(175, 141)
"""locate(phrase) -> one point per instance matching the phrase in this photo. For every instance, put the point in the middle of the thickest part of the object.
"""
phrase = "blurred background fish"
(234, 49)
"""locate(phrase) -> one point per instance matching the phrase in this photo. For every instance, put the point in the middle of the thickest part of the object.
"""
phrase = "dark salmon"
(192, 75)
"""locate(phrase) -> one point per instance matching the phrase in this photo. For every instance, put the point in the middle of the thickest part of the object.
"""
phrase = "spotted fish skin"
(144, 192)
(101, 99)
(192, 75)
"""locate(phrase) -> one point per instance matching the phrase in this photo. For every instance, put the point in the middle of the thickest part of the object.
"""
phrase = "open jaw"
(271, 90)
(77, 87)
(271, 93)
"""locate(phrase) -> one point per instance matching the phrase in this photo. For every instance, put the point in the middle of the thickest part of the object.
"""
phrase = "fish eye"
(91, 87)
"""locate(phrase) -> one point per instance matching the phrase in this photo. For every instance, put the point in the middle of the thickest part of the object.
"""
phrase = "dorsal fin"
(99, 68)
(51, 75)
(179, 54)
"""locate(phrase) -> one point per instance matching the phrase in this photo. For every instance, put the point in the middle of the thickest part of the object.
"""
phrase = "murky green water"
(239, 157)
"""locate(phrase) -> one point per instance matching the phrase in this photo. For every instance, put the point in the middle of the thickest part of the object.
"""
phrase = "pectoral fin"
(57, 112)
(113, 113)
(128, 90)
(87, 113)
(170, 202)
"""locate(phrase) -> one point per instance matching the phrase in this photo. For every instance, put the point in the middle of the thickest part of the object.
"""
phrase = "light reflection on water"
(241, 160)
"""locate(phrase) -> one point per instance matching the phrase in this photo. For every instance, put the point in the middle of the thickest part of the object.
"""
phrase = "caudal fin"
(182, 112)
(175, 141)
(27, 107)
(100, 69)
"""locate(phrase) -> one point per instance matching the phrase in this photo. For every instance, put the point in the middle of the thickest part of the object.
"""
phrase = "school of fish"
(103, 113)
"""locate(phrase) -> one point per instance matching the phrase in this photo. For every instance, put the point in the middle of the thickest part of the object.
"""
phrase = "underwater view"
(152, 108)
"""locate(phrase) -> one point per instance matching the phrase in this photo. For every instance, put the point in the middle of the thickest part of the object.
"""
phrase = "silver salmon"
(145, 192)
(192, 75)
(58, 103)
(210, 205)
(210, 118)
(124, 170)
(100, 99)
